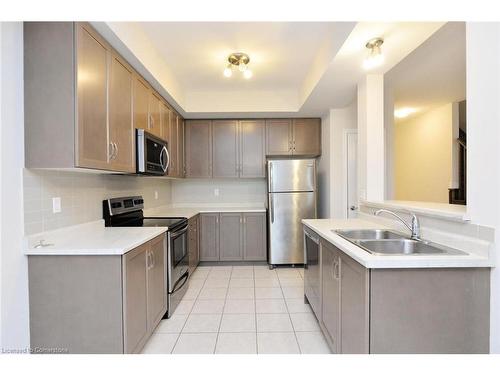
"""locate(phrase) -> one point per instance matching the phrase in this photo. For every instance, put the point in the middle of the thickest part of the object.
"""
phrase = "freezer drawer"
(286, 175)
(286, 210)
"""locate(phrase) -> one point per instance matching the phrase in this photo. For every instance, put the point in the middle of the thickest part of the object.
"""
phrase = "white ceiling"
(281, 53)
(300, 68)
(433, 74)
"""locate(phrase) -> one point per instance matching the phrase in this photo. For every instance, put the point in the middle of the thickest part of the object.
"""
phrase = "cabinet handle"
(147, 260)
(110, 151)
(116, 150)
(152, 259)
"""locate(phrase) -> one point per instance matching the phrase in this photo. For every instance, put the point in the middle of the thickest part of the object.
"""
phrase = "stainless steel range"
(128, 212)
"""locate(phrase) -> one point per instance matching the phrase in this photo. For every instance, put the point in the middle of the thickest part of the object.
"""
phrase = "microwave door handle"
(163, 168)
(167, 162)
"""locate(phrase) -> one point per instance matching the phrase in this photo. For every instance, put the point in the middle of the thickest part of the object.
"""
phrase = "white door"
(352, 174)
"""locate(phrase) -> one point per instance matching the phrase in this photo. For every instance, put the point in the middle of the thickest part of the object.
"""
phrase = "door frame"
(345, 188)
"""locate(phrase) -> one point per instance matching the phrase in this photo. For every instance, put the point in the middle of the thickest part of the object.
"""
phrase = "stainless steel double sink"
(387, 242)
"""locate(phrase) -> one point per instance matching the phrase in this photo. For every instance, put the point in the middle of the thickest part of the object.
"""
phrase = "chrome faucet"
(414, 228)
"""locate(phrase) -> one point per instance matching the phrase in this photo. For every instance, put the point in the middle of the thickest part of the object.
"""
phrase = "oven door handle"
(179, 232)
(184, 277)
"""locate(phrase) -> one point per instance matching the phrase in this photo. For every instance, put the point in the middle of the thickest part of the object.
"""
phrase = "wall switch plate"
(216, 192)
(56, 205)
(156, 194)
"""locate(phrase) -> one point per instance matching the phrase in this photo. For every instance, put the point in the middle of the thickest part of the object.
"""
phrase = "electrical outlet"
(216, 192)
(156, 194)
(56, 205)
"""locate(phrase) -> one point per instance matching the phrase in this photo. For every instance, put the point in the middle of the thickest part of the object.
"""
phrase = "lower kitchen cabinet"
(193, 243)
(233, 236)
(97, 303)
(254, 236)
(414, 310)
(330, 279)
(209, 237)
(230, 228)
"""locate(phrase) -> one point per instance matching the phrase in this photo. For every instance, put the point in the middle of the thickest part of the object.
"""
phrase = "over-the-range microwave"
(152, 154)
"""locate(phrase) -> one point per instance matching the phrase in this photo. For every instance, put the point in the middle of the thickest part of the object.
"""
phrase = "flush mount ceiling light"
(238, 61)
(375, 57)
(404, 112)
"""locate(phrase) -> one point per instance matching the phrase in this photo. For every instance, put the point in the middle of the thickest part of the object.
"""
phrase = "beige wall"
(423, 156)
(81, 196)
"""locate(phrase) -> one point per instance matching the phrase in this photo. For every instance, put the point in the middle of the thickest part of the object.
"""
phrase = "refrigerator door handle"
(272, 207)
(271, 176)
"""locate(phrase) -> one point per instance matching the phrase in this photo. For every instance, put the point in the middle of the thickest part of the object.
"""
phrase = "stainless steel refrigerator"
(291, 186)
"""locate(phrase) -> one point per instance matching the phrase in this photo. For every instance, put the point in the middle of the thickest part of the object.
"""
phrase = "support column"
(371, 144)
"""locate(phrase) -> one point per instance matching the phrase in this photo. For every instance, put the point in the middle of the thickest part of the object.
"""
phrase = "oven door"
(178, 261)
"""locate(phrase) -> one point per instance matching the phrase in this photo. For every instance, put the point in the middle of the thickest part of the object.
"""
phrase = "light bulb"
(247, 74)
(242, 67)
(228, 72)
(373, 61)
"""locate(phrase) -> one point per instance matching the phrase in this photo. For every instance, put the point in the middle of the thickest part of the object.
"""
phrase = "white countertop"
(324, 228)
(91, 239)
(193, 210)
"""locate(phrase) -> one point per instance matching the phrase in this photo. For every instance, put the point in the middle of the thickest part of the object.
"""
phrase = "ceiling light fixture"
(240, 61)
(404, 112)
(375, 57)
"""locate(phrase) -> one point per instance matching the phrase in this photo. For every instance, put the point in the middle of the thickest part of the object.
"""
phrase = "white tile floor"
(241, 310)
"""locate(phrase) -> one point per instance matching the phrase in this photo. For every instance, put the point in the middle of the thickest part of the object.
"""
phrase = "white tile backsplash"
(229, 191)
(81, 196)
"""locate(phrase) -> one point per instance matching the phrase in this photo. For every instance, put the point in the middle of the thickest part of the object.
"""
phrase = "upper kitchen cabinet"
(278, 137)
(198, 145)
(91, 74)
(77, 91)
(154, 114)
(306, 137)
(121, 129)
(165, 114)
(225, 148)
(180, 147)
(176, 145)
(299, 137)
(252, 146)
(141, 103)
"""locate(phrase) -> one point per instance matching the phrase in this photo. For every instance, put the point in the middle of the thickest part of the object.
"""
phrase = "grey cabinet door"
(355, 314)
(230, 240)
(172, 146)
(198, 148)
(225, 148)
(307, 137)
(330, 275)
(209, 237)
(154, 114)
(181, 167)
(141, 103)
(135, 314)
(121, 126)
(254, 236)
(165, 114)
(156, 282)
(92, 73)
(279, 137)
(252, 148)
